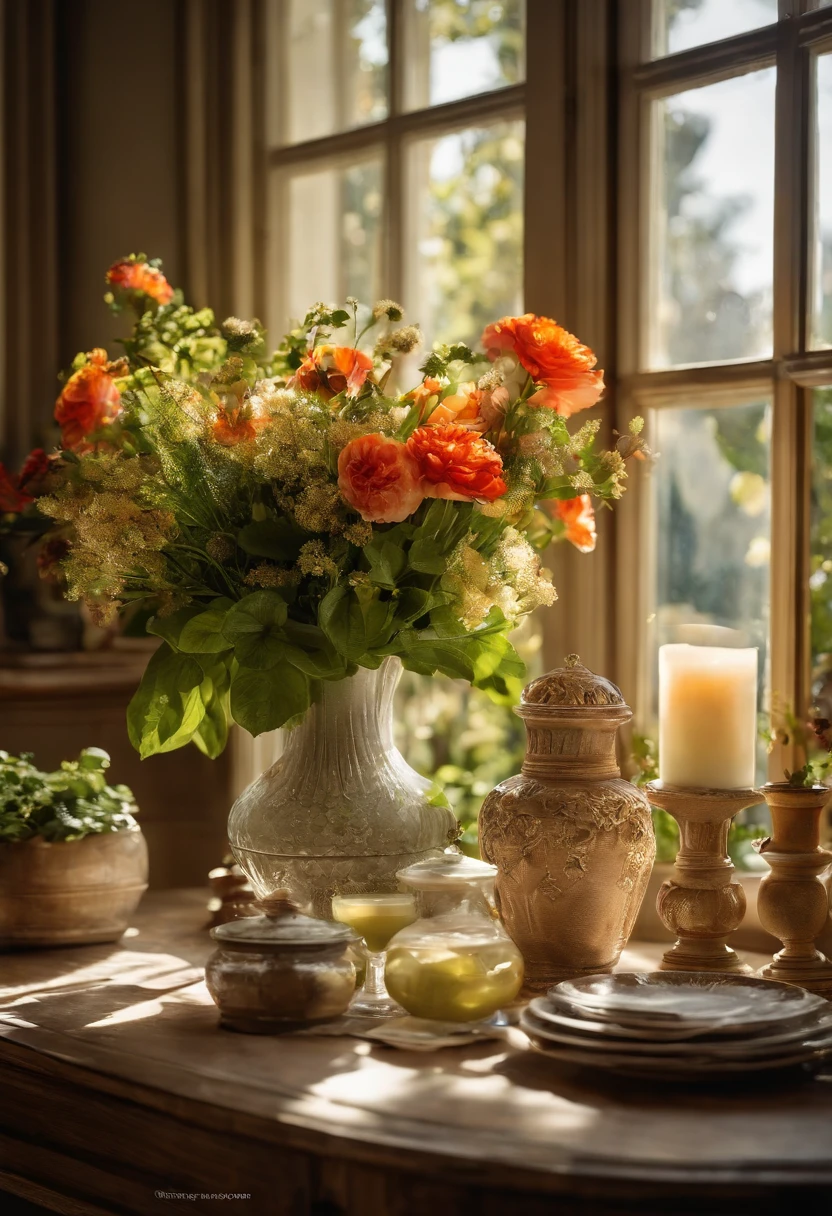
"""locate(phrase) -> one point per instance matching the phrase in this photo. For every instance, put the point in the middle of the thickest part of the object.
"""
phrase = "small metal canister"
(571, 839)
(280, 971)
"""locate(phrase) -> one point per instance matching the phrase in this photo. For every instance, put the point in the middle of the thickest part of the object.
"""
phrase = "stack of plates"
(679, 1025)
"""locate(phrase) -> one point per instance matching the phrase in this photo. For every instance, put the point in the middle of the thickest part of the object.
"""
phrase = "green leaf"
(355, 620)
(414, 602)
(387, 560)
(253, 626)
(169, 628)
(427, 557)
(202, 634)
(278, 539)
(211, 735)
(166, 708)
(265, 700)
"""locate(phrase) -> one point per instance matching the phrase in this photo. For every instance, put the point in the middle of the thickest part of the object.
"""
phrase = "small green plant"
(72, 802)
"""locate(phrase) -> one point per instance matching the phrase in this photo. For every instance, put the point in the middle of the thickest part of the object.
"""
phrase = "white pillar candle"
(707, 716)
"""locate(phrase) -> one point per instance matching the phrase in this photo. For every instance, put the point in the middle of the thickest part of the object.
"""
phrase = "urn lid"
(571, 686)
(282, 925)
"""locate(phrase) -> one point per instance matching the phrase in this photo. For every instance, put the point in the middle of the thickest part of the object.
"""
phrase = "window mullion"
(394, 160)
(791, 467)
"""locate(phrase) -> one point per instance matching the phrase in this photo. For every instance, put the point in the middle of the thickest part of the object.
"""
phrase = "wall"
(119, 185)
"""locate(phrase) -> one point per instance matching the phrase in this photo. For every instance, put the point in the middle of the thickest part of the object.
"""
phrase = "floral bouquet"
(284, 518)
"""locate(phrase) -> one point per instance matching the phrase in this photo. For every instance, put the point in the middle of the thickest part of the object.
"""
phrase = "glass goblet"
(376, 918)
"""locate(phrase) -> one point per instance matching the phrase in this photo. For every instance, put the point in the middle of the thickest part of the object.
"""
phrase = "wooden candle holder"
(793, 903)
(702, 903)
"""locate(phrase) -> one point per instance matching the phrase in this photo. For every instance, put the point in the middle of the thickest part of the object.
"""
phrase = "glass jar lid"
(451, 871)
(282, 925)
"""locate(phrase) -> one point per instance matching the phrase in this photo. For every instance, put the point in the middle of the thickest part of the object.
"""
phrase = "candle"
(707, 716)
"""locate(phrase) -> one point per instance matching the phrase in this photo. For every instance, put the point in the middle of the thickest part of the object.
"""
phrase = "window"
(395, 160)
(725, 336)
(395, 140)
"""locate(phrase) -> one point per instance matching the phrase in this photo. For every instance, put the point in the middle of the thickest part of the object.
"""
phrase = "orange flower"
(379, 478)
(130, 275)
(553, 357)
(421, 395)
(12, 498)
(463, 407)
(578, 518)
(457, 463)
(332, 369)
(17, 492)
(89, 401)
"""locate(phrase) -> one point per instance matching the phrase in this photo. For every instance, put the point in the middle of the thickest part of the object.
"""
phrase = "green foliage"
(68, 804)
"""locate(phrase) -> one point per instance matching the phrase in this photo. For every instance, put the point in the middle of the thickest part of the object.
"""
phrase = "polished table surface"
(117, 1083)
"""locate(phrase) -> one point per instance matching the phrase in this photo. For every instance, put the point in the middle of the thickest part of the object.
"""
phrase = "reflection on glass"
(822, 276)
(332, 247)
(820, 579)
(455, 48)
(333, 67)
(679, 24)
(712, 504)
(712, 228)
(465, 230)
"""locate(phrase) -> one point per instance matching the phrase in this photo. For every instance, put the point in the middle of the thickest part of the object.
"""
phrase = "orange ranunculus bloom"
(422, 394)
(457, 463)
(89, 401)
(463, 407)
(139, 276)
(380, 479)
(332, 369)
(553, 357)
(578, 517)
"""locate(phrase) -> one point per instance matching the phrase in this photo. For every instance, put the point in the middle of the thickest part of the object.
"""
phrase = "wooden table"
(116, 1083)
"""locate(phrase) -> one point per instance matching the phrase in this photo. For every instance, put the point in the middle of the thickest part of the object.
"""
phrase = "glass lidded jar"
(456, 963)
(280, 971)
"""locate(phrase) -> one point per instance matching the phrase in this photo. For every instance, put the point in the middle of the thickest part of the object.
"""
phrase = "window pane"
(680, 24)
(822, 277)
(712, 227)
(331, 245)
(455, 48)
(712, 528)
(820, 580)
(334, 67)
(465, 230)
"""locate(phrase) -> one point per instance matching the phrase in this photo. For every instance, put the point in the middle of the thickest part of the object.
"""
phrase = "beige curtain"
(222, 43)
(29, 248)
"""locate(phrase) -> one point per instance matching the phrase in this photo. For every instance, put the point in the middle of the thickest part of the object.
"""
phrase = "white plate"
(686, 999)
(818, 1037)
(669, 1070)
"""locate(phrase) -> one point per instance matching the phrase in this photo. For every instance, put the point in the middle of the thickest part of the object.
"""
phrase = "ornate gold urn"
(571, 839)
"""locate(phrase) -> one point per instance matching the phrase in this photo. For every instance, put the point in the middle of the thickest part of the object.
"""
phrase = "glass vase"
(340, 811)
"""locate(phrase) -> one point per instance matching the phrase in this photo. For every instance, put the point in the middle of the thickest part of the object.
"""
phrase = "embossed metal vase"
(571, 839)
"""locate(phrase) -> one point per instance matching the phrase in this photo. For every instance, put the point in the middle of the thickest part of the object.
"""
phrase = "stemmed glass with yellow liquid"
(376, 918)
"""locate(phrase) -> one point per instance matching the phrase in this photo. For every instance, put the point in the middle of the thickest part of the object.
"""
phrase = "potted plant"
(73, 860)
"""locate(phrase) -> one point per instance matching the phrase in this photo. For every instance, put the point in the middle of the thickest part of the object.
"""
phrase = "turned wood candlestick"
(793, 903)
(702, 903)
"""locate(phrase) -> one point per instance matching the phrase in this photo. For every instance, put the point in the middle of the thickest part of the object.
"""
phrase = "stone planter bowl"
(72, 892)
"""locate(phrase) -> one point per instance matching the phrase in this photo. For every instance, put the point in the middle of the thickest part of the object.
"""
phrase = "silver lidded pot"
(280, 971)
